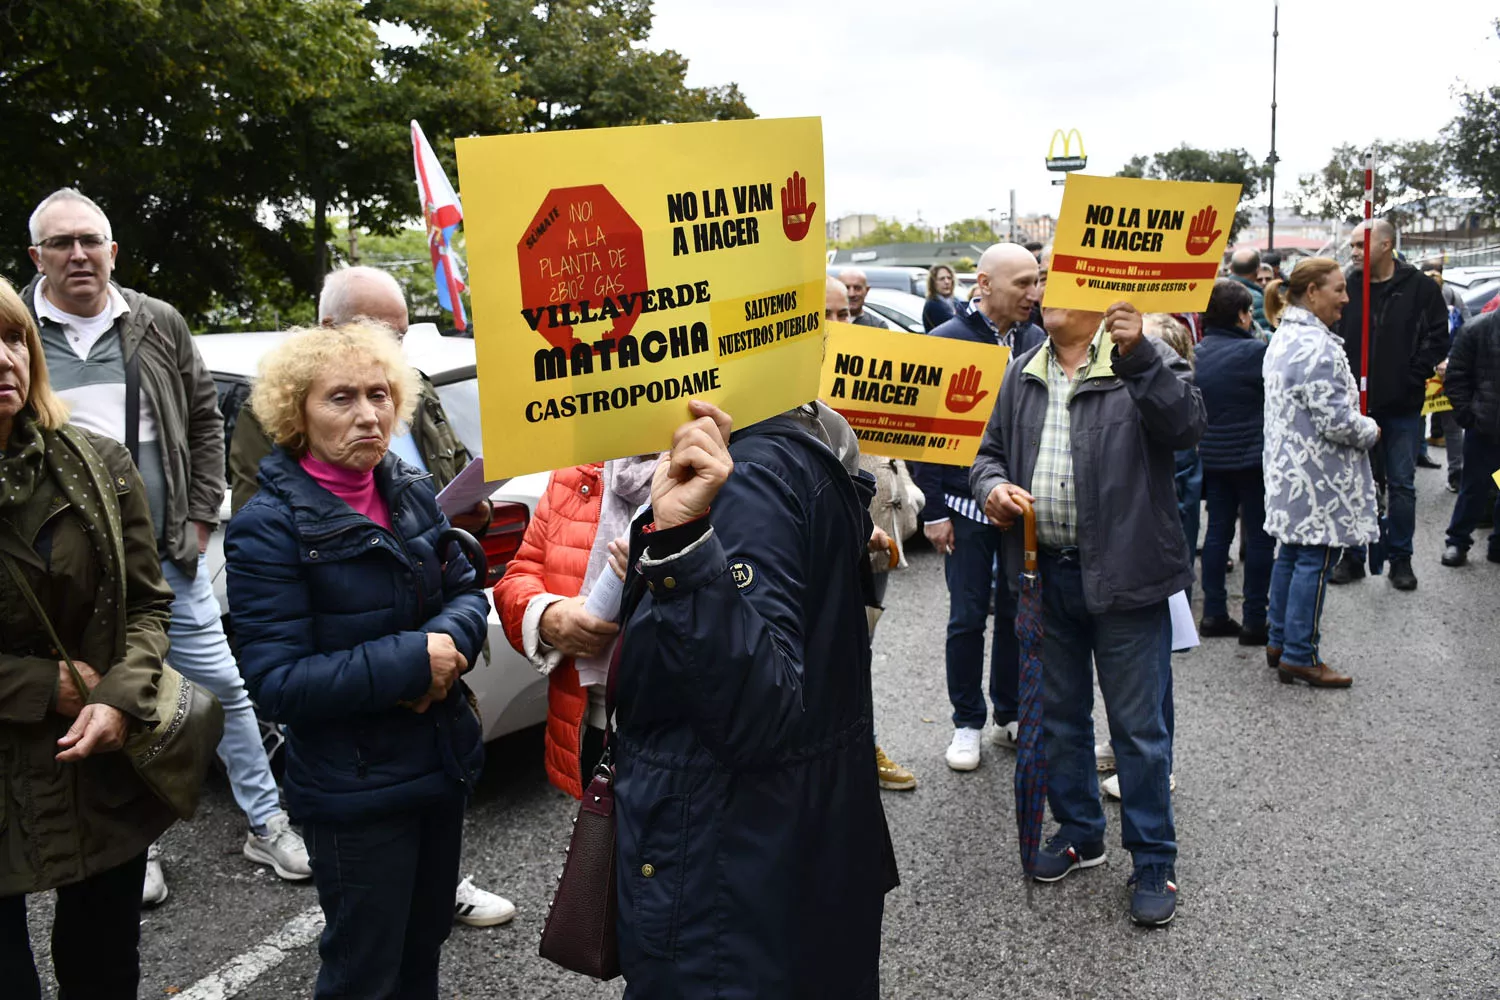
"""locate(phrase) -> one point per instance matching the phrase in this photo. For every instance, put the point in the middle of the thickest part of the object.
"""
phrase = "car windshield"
(461, 402)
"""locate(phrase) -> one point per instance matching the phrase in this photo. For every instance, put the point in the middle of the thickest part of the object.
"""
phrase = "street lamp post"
(1271, 160)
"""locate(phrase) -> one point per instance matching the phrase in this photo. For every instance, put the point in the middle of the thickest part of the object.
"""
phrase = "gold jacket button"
(648, 870)
(670, 583)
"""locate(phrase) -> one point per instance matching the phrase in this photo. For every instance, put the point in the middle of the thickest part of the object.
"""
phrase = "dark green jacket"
(180, 391)
(435, 438)
(61, 823)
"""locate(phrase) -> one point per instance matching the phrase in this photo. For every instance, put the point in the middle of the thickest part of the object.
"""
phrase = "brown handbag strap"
(41, 614)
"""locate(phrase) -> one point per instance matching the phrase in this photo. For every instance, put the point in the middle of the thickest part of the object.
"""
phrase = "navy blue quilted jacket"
(1228, 374)
(331, 615)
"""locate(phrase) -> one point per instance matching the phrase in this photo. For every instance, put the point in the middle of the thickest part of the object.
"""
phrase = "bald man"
(1244, 269)
(1007, 289)
(857, 284)
(1408, 340)
(429, 443)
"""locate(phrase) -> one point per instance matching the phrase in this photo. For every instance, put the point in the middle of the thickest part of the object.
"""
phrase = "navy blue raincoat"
(752, 845)
(331, 617)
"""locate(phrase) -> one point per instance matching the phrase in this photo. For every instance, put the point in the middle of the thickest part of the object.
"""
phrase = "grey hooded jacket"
(1128, 416)
(1319, 490)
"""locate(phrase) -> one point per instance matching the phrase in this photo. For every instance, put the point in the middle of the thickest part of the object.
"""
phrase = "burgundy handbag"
(579, 933)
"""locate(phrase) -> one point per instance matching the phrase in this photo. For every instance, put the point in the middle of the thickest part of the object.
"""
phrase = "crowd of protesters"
(725, 696)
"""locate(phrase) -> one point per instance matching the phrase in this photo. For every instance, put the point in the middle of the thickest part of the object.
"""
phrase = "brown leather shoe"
(1273, 657)
(1321, 676)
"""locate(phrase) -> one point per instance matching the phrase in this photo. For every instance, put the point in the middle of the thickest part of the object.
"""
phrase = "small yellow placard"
(618, 273)
(1155, 244)
(912, 396)
(1437, 401)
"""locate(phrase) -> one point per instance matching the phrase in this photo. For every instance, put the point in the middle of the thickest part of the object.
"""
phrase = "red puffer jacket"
(552, 560)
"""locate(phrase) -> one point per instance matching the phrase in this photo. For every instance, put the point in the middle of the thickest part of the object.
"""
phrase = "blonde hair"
(51, 412)
(1170, 329)
(287, 374)
(1275, 304)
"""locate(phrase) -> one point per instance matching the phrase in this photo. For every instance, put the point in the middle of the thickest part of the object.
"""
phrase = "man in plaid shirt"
(1085, 432)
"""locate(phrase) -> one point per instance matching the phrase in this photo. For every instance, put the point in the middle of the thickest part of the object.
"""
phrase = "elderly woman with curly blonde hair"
(353, 629)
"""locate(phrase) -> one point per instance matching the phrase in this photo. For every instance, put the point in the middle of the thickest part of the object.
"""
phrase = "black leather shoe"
(1402, 578)
(1251, 635)
(1454, 556)
(1218, 628)
(1347, 570)
(1424, 462)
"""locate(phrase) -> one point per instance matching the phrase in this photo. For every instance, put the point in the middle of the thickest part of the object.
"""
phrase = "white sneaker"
(281, 848)
(1111, 785)
(154, 889)
(1007, 736)
(963, 752)
(477, 908)
(1104, 757)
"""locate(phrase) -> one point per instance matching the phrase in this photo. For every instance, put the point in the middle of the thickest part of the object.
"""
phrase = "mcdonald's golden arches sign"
(1067, 161)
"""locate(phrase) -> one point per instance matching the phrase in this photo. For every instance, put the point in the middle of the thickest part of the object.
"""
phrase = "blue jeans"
(1481, 458)
(1132, 651)
(1189, 479)
(201, 654)
(1299, 586)
(1399, 439)
(970, 571)
(1238, 495)
(386, 888)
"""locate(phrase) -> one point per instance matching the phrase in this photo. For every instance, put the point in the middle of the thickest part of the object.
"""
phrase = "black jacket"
(936, 481)
(331, 618)
(1408, 338)
(1227, 371)
(752, 849)
(1473, 379)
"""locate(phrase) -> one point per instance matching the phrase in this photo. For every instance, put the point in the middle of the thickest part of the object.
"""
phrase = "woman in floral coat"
(1320, 496)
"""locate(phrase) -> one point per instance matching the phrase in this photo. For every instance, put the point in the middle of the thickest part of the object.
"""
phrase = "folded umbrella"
(1031, 752)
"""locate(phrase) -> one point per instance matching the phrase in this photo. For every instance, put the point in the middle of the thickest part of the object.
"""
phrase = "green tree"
(1220, 166)
(971, 231)
(888, 231)
(1472, 142)
(1407, 175)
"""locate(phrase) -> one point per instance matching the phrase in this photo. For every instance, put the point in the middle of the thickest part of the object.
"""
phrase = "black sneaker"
(1154, 902)
(1254, 635)
(1348, 569)
(1218, 628)
(1402, 578)
(1454, 556)
(1059, 856)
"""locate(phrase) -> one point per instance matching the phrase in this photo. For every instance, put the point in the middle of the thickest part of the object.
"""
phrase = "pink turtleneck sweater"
(355, 488)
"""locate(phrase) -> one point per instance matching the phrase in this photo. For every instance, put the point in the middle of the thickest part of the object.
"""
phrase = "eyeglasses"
(89, 241)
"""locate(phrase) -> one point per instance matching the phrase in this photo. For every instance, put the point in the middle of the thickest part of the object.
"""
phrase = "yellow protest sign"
(1437, 401)
(911, 396)
(1155, 244)
(618, 273)
(1496, 477)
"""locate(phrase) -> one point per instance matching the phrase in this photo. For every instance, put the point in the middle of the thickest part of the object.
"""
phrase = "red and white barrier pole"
(1364, 315)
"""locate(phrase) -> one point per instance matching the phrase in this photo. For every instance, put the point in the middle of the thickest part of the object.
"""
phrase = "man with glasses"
(126, 365)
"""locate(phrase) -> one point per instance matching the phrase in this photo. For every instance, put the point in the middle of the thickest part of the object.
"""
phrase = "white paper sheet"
(1184, 632)
(467, 489)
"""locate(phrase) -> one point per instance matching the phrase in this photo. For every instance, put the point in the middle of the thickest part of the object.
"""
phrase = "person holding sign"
(752, 850)
(1086, 431)
(1004, 294)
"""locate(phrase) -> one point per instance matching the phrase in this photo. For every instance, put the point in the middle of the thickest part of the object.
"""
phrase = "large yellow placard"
(912, 396)
(1155, 244)
(618, 273)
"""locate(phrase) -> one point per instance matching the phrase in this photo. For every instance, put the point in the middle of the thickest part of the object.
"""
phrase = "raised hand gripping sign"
(911, 396)
(618, 273)
(1155, 244)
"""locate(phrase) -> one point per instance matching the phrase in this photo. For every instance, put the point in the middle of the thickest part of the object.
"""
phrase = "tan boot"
(893, 776)
(1321, 676)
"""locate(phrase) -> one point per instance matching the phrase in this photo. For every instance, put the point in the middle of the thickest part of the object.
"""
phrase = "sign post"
(1364, 273)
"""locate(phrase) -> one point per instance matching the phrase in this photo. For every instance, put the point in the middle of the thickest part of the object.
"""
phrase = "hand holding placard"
(1122, 321)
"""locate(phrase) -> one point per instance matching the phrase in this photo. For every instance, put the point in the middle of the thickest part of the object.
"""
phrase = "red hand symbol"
(1201, 231)
(796, 213)
(963, 390)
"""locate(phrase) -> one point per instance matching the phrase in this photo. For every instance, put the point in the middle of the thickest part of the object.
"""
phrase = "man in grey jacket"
(126, 365)
(1085, 432)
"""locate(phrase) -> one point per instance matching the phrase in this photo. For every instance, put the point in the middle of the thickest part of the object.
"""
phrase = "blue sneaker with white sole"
(1154, 902)
(1059, 856)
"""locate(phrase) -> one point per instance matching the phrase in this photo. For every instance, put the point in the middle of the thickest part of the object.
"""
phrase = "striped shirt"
(1052, 483)
(965, 505)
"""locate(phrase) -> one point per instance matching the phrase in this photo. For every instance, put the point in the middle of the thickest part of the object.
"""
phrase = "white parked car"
(902, 310)
(512, 695)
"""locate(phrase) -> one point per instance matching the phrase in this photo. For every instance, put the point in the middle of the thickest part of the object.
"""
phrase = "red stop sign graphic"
(581, 249)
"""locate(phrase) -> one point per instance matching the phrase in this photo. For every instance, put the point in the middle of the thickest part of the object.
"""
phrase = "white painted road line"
(242, 970)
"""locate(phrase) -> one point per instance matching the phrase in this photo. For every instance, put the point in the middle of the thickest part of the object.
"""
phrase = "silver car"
(512, 695)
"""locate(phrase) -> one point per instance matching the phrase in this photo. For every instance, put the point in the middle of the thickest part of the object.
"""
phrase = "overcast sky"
(941, 108)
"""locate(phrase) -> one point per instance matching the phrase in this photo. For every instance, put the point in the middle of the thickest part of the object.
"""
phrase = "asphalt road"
(1333, 843)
